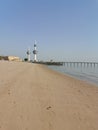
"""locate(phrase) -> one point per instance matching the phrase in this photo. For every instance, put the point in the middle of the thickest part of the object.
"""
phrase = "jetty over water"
(82, 64)
(69, 64)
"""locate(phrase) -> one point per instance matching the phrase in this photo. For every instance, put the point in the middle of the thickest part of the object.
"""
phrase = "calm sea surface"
(89, 74)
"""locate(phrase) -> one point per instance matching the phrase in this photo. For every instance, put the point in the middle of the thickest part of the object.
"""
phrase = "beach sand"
(33, 97)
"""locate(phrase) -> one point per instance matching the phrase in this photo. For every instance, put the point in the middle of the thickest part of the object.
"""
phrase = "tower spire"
(35, 52)
(28, 54)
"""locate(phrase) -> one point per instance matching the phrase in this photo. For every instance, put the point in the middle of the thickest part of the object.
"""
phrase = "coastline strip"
(35, 97)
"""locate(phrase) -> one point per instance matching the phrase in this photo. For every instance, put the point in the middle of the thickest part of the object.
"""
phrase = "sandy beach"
(33, 97)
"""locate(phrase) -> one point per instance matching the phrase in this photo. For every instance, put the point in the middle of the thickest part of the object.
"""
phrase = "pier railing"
(82, 64)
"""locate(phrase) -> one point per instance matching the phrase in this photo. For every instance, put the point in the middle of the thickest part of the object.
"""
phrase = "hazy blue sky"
(65, 29)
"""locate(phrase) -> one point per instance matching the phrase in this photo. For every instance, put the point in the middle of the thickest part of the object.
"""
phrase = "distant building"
(13, 58)
(10, 58)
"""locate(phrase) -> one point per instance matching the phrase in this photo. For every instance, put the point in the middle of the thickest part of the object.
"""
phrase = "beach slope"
(33, 97)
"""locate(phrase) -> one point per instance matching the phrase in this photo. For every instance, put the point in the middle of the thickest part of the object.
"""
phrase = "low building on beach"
(10, 58)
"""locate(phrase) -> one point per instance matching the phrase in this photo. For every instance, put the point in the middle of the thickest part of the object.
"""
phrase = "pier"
(82, 64)
(71, 64)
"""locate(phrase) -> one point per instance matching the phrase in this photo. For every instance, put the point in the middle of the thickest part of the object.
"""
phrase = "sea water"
(88, 74)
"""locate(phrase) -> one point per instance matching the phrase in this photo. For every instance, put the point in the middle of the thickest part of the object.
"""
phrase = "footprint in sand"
(49, 107)
(14, 102)
(9, 92)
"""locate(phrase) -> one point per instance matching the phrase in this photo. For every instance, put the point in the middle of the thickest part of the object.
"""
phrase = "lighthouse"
(35, 52)
(28, 54)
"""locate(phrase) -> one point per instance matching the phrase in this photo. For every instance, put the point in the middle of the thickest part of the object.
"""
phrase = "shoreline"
(78, 77)
(33, 96)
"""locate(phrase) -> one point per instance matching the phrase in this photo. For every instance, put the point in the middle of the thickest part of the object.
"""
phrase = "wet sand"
(33, 97)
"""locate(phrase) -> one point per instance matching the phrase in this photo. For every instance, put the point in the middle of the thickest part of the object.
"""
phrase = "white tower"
(28, 54)
(35, 52)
